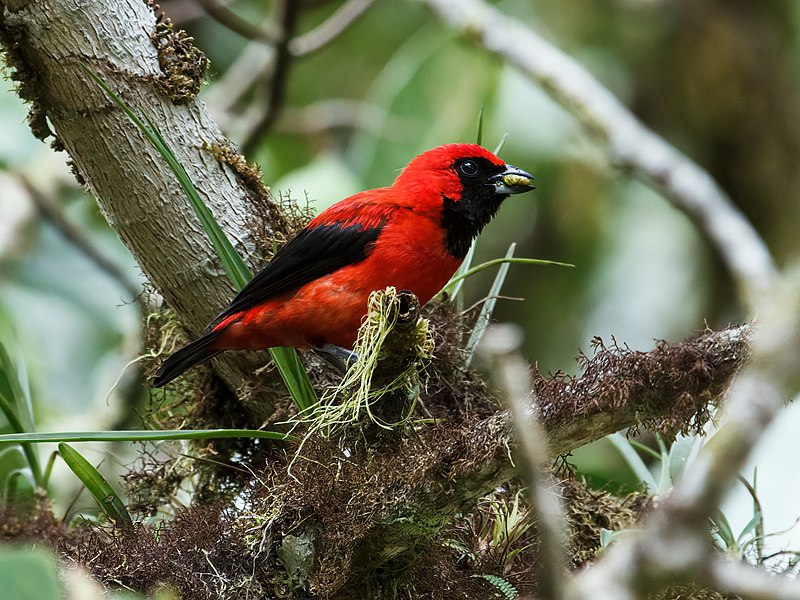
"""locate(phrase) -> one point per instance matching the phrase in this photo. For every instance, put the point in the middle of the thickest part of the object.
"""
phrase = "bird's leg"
(346, 356)
(338, 357)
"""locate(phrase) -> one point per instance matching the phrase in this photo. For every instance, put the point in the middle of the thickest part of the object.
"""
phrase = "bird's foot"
(338, 357)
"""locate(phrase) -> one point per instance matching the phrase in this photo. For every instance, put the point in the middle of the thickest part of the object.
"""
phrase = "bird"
(412, 235)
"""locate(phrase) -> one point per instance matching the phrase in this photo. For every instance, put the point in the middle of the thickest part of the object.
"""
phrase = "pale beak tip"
(513, 181)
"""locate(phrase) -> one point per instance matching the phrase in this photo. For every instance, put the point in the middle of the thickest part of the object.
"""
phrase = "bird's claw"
(336, 356)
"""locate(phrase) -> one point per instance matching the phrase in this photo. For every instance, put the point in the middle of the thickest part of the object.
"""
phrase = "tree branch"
(227, 18)
(752, 584)
(630, 144)
(674, 544)
(453, 465)
(330, 29)
(289, 12)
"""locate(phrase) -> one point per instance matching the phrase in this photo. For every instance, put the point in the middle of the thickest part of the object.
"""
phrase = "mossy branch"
(451, 465)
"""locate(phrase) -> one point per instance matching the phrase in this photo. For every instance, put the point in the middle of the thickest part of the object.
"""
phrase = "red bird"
(412, 235)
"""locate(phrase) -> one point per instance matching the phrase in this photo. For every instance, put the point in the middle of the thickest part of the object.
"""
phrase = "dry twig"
(289, 11)
(501, 345)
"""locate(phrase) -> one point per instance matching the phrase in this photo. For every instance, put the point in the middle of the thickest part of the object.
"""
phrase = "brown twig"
(302, 45)
(75, 237)
(330, 29)
(289, 11)
(227, 18)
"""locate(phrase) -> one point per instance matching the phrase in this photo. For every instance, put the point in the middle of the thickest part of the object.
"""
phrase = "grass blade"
(286, 359)
(237, 270)
(500, 144)
(500, 261)
(295, 377)
(634, 461)
(15, 407)
(479, 137)
(723, 529)
(142, 435)
(488, 307)
(106, 497)
(453, 287)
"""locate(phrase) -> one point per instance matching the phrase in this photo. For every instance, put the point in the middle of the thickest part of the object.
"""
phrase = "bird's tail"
(187, 357)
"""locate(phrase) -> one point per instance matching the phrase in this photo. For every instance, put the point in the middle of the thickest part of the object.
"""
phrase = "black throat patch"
(465, 218)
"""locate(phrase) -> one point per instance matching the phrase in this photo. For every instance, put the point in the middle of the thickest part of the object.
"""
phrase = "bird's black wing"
(314, 253)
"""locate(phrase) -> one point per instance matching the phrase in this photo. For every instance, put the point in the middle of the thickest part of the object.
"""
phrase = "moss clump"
(359, 393)
(183, 65)
(691, 592)
(272, 222)
(14, 40)
(672, 389)
(588, 512)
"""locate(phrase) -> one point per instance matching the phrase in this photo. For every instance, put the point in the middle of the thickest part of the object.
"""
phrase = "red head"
(467, 182)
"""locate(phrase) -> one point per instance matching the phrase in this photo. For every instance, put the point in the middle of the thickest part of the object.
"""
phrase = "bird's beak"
(512, 181)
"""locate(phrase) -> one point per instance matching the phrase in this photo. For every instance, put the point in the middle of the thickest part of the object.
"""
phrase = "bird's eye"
(468, 168)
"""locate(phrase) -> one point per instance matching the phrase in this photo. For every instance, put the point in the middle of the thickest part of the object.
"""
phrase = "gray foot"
(338, 357)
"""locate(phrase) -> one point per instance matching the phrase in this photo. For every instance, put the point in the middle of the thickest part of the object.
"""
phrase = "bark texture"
(157, 72)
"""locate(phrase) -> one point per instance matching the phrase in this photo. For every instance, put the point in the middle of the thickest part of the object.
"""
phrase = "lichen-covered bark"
(157, 73)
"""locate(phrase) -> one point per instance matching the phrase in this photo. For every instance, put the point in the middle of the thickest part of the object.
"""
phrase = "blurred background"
(720, 79)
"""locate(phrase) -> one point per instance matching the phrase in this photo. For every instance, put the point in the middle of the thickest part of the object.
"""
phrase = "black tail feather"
(185, 358)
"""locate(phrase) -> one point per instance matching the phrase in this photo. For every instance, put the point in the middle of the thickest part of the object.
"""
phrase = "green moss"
(183, 66)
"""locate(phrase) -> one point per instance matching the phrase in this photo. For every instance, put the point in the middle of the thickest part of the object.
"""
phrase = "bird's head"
(468, 183)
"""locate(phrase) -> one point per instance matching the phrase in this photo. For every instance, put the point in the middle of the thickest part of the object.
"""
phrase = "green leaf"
(644, 448)
(723, 529)
(13, 466)
(751, 527)
(106, 497)
(606, 537)
(28, 574)
(479, 137)
(286, 359)
(504, 587)
(682, 451)
(500, 261)
(488, 306)
(665, 478)
(142, 435)
(634, 461)
(758, 535)
(16, 406)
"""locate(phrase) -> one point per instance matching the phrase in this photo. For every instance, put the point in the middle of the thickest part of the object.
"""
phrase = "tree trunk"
(157, 72)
